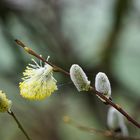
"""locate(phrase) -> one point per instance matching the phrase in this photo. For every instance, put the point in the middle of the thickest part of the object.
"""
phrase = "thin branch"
(19, 124)
(92, 89)
(105, 133)
(30, 51)
(116, 106)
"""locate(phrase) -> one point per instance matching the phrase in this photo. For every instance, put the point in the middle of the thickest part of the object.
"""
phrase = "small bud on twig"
(102, 85)
(79, 78)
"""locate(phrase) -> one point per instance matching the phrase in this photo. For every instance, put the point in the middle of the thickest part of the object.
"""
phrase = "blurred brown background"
(99, 35)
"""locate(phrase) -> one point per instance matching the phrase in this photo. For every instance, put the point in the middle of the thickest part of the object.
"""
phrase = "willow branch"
(92, 89)
(19, 124)
(30, 51)
(116, 106)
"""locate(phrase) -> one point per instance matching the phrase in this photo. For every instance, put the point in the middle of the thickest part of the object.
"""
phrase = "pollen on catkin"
(5, 104)
(79, 78)
(38, 82)
(102, 85)
(115, 122)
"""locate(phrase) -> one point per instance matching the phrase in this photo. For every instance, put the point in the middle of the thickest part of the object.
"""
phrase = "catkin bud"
(79, 78)
(5, 104)
(102, 85)
(115, 122)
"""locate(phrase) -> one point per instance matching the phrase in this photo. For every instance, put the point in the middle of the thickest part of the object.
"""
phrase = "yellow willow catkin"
(5, 104)
(38, 82)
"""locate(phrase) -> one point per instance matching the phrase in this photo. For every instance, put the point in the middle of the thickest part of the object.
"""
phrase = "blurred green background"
(99, 35)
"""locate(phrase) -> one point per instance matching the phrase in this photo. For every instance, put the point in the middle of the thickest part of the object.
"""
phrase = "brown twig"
(116, 106)
(19, 124)
(93, 91)
(30, 51)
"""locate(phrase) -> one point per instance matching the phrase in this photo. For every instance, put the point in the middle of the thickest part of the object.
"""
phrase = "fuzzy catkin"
(79, 78)
(102, 85)
(115, 121)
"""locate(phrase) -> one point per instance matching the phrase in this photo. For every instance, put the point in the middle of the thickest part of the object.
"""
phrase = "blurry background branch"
(91, 130)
